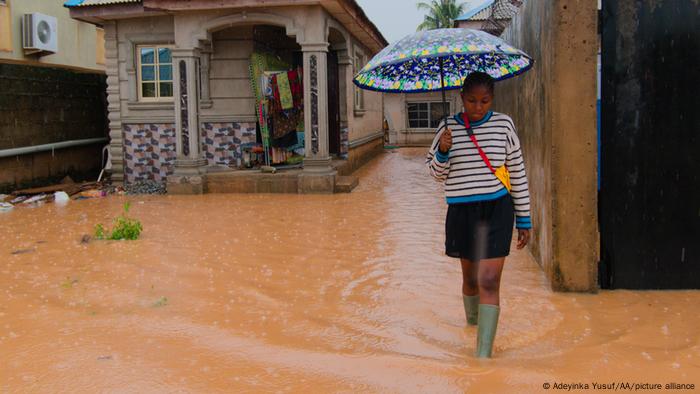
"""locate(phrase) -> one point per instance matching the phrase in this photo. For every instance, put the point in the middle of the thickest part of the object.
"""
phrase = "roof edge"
(96, 3)
(375, 30)
(470, 13)
(96, 11)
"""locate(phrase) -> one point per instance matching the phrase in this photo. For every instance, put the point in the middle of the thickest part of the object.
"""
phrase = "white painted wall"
(77, 41)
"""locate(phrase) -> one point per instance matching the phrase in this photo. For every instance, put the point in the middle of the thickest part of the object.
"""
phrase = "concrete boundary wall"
(554, 108)
(45, 105)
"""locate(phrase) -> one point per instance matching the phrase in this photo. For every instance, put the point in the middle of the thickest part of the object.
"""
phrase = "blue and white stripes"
(467, 178)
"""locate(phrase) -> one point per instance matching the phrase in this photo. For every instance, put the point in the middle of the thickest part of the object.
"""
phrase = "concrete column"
(344, 74)
(316, 107)
(319, 176)
(575, 237)
(190, 166)
(554, 109)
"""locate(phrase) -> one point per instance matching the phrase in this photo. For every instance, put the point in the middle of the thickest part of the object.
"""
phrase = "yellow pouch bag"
(503, 175)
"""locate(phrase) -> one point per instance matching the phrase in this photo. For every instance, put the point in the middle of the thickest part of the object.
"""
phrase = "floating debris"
(61, 193)
(93, 193)
(18, 200)
(61, 198)
(23, 251)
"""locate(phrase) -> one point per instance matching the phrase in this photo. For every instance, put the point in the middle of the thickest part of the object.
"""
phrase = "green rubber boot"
(486, 332)
(471, 309)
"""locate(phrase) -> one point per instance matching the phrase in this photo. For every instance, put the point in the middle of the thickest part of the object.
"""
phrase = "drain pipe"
(50, 147)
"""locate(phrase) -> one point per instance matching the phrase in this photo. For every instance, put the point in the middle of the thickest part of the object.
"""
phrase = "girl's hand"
(523, 238)
(446, 141)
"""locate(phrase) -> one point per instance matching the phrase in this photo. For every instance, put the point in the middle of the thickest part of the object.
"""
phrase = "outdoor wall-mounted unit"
(39, 33)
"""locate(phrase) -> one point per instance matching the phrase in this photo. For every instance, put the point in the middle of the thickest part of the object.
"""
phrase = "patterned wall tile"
(344, 142)
(149, 151)
(222, 142)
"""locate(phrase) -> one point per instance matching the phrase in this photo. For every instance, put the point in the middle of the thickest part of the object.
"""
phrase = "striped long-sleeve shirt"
(465, 175)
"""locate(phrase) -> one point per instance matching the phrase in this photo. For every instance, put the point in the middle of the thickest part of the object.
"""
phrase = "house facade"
(186, 81)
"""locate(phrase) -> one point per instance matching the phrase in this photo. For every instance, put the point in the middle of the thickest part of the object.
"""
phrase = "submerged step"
(345, 184)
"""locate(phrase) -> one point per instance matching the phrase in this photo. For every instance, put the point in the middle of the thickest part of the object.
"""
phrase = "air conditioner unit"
(39, 33)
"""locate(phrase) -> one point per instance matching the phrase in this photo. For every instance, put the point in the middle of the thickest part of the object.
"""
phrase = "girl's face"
(477, 102)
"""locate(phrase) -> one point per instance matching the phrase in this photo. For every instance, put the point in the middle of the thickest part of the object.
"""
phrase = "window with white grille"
(425, 115)
(155, 73)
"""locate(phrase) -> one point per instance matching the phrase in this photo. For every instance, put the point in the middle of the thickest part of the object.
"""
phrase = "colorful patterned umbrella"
(416, 62)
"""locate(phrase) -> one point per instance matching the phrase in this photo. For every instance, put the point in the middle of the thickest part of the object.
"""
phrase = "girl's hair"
(477, 78)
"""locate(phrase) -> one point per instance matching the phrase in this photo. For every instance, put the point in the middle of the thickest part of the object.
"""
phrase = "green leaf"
(99, 231)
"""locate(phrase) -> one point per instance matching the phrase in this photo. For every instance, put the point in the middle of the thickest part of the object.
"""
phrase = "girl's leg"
(470, 290)
(470, 273)
(489, 279)
(489, 284)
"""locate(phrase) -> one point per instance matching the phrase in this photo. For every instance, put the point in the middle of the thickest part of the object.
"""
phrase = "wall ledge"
(147, 106)
(365, 140)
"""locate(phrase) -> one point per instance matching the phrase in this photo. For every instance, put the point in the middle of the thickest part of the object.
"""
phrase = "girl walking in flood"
(476, 154)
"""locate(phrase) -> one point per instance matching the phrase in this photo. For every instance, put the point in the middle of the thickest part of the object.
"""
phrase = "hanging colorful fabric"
(259, 64)
(286, 98)
(264, 130)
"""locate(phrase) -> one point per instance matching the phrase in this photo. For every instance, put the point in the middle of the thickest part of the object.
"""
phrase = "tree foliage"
(440, 14)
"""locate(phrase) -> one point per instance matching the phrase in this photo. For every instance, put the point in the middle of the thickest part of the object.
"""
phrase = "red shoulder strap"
(473, 138)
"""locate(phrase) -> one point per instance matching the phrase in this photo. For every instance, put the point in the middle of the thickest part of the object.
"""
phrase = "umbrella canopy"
(416, 62)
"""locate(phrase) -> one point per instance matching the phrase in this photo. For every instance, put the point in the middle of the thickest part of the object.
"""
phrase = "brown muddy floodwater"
(288, 293)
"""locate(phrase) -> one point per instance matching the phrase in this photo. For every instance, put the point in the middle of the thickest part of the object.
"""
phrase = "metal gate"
(649, 205)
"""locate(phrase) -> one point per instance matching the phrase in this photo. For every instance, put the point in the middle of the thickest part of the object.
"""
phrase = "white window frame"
(430, 103)
(358, 61)
(156, 64)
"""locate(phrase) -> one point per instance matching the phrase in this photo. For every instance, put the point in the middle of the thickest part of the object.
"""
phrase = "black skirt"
(479, 230)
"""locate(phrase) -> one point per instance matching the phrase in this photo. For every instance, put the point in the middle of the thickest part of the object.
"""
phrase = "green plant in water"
(100, 231)
(124, 227)
(162, 301)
